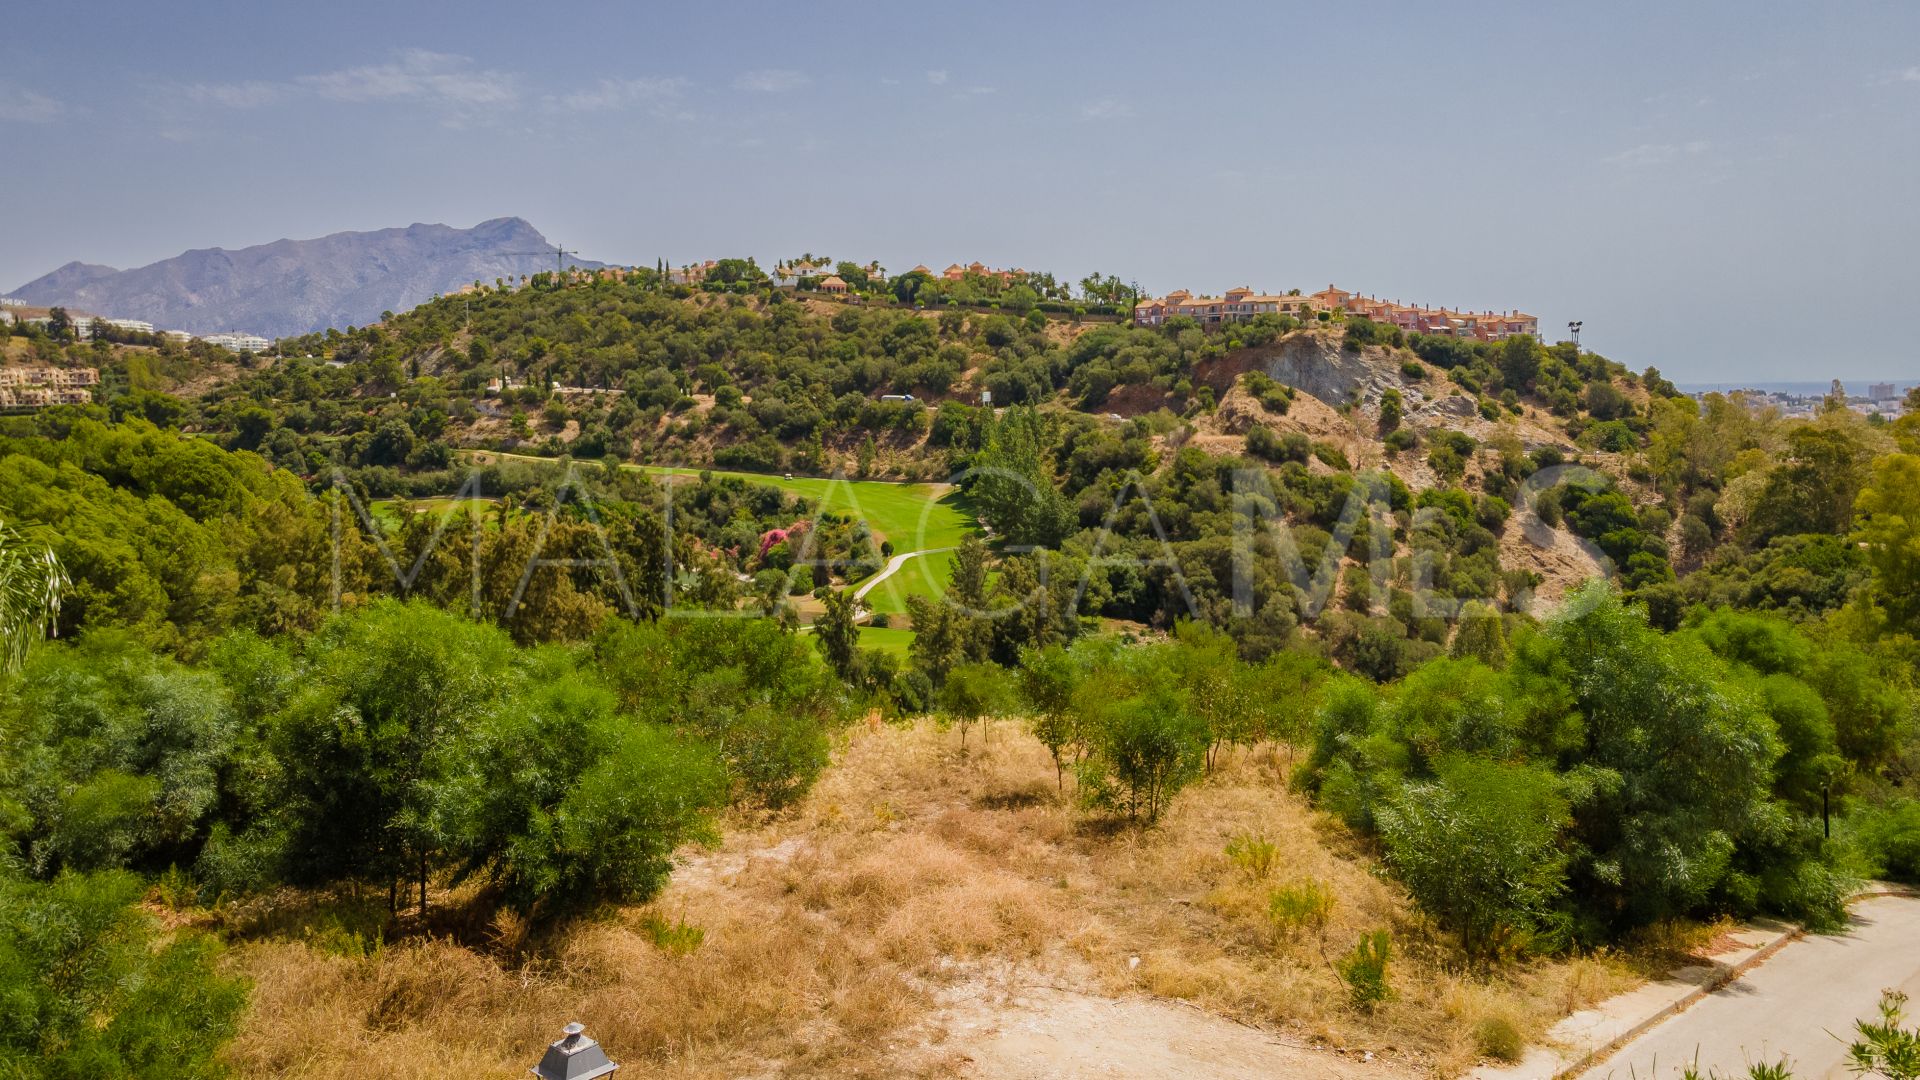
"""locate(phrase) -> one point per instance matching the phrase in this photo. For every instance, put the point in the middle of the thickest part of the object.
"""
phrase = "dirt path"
(1046, 1032)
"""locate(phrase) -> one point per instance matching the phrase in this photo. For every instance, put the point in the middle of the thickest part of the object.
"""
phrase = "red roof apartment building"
(1242, 304)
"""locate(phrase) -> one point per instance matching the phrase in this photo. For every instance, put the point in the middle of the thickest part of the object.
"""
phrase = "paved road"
(886, 572)
(1800, 1004)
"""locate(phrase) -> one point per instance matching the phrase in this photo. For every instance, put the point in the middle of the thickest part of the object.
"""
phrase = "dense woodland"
(226, 674)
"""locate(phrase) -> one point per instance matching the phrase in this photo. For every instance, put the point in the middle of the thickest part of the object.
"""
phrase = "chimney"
(573, 1057)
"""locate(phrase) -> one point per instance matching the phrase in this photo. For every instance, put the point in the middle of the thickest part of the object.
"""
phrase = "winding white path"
(887, 571)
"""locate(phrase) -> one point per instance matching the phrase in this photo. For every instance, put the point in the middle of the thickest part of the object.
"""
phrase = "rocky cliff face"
(296, 286)
(1314, 363)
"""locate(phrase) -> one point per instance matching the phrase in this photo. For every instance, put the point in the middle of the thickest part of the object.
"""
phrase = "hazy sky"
(1726, 191)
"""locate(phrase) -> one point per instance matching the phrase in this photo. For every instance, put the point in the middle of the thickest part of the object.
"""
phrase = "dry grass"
(831, 934)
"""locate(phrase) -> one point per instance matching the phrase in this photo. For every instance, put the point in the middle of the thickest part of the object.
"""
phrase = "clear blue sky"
(1727, 191)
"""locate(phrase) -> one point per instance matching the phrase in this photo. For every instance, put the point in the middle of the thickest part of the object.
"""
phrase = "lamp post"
(573, 1057)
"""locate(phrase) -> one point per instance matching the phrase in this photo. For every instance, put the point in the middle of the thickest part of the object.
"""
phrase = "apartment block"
(1242, 304)
(33, 387)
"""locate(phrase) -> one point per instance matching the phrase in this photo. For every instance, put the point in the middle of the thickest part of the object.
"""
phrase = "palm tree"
(31, 581)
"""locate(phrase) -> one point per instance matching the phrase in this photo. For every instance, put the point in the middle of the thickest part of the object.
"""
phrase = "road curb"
(1718, 982)
(1673, 1008)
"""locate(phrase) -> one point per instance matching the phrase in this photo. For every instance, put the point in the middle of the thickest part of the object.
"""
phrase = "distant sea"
(1803, 389)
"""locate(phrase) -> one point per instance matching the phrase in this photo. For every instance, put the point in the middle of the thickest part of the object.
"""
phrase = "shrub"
(1262, 442)
(1274, 396)
(677, 938)
(94, 988)
(1253, 855)
(1331, 456)
(1884, 1047)
(1499, 1039)
(1365, 970)
(1392, 408)
(1305, 906)
(1890, 839)
(760, 454)
(1478, 849)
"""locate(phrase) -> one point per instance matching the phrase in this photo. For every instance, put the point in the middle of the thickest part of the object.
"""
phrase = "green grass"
(886, 639)
(925, 576)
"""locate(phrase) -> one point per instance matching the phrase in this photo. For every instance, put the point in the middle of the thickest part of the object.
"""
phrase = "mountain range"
(291, 287)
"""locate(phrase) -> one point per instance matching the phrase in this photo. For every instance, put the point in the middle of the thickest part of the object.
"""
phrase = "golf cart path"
(887, 571)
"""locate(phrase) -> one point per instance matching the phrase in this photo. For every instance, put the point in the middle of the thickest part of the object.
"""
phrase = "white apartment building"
(239, 342)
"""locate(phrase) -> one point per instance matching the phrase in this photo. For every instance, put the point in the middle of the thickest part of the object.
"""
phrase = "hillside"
(745, 379)
(292, 287)
(527, 656)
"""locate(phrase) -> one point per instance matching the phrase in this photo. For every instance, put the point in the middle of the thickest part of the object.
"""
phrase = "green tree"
(941, 634)
(1519, 363)
(251, 427)
(1049, 682)
(1014, 485)
(119, 757)
(1675, 764)
(971, 694)
(392, 444)
(562, 802)
(1889, 508)
(1814, 489)
(1482, 635)
(372, 740)
(837, 634)
(1218, 689)
(1144, 741)
(747, 687)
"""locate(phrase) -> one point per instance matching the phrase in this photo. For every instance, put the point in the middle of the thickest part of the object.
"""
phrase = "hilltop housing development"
(1242, 304)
